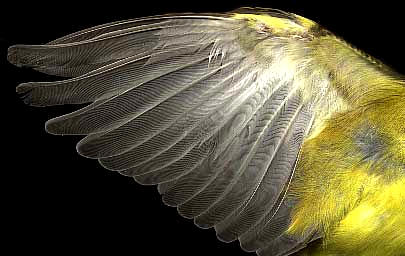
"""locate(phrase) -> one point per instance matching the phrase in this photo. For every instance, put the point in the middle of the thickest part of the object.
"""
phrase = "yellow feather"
(277, 25)
(355, 201)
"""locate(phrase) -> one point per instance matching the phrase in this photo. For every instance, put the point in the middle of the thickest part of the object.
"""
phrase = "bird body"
(351, 170)
(257, 122)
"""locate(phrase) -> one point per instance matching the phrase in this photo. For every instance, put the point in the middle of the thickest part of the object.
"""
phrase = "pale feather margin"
(208, 107)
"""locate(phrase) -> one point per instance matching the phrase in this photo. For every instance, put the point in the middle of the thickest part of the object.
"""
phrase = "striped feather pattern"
(182, 101)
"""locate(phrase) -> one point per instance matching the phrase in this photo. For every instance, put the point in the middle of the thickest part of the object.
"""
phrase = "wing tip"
(185, 213)
(247, 243)
(225, 239)
(52, 127)
(24, 92)
(31, 96)
(12, 55)
(20, 55)
(85, 150)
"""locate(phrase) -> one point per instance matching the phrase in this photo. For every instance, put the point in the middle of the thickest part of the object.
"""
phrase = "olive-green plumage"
(257, 122)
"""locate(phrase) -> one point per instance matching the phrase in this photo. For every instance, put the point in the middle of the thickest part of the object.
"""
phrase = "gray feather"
(189, 102)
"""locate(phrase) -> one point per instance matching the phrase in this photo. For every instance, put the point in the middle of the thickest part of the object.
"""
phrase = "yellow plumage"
(359, 203)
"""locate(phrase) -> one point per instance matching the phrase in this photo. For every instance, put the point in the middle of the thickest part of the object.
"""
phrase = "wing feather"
(105, 29)
(267, 188)
(141, 96)
(206, 106)
(202, 124)
(270, 133)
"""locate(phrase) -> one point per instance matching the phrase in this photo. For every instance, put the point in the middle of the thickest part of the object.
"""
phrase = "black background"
(56, 201)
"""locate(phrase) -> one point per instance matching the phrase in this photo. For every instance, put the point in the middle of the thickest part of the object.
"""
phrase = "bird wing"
(213, 108)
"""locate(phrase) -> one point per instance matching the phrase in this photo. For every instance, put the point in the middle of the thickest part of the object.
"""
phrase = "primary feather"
(214, 108)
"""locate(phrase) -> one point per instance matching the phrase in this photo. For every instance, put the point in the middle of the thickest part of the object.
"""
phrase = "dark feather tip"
(24, 91)
(12, 56)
